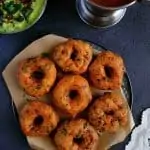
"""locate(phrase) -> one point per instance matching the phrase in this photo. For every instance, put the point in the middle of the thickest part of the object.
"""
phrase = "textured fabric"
(141, 142)
(130, 38)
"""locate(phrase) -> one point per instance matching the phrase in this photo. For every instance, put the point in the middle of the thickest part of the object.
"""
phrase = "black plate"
(126, 85)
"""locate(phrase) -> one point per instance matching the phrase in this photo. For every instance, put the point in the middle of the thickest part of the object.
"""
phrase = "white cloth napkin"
(140, 138)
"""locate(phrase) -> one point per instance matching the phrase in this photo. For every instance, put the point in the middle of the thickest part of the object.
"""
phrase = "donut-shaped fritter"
(38, 119)
(108, 113)
(72, 94)
(73, 56)
(37, 75)
(76, 135)
(106, 71)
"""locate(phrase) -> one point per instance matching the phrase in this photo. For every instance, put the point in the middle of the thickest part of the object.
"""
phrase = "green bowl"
(33, 18)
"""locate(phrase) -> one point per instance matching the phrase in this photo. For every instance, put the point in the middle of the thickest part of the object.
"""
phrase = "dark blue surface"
(130, 38)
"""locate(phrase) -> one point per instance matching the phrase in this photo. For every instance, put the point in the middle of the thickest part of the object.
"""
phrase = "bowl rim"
(112, 7)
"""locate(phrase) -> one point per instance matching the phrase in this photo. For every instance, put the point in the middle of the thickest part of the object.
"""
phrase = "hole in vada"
(38, 74)
(111, 112)
(38, 121)
(78, 140)
(73, 94)
(74, 54)
(108, 71)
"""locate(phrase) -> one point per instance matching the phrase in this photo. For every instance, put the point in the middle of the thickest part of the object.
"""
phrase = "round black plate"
(126, 85)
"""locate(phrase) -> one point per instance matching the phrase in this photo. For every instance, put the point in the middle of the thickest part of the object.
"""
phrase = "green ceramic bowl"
(20, 17)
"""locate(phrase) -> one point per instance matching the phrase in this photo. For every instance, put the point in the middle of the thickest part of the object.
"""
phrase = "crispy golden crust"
(76, 135)
(72, 94)
(38, 119)
(106, 71)
(108, 113)
(37, 75)
(73, 56)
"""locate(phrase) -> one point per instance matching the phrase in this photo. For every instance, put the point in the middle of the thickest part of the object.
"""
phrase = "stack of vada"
(72, 95)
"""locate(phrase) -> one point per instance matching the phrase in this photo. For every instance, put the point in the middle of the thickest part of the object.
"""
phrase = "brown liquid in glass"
(111, 3)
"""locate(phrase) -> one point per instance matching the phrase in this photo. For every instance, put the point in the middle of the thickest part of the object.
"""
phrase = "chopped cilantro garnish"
(11, 7)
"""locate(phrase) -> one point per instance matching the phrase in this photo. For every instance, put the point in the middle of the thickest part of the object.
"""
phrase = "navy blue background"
(130, 38)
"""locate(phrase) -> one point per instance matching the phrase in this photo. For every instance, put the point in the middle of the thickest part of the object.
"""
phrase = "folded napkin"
(140, 138)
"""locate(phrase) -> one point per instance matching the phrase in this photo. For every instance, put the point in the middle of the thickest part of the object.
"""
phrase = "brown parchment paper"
(19, 97)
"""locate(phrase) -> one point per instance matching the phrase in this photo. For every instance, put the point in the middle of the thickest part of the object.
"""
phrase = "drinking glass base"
(98, 21)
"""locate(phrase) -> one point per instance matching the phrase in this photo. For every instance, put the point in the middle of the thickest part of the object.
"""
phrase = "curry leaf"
(19, 18)
(26, 12)
(45, 55)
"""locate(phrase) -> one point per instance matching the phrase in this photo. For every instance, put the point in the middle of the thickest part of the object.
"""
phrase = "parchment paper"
(19, 97)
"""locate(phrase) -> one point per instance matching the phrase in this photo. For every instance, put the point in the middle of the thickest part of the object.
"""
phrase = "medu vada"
(76, 135)
(38, 119)
(72, 94)
(73, 56)
(108, 113)
(106, 71)
(37, 75)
